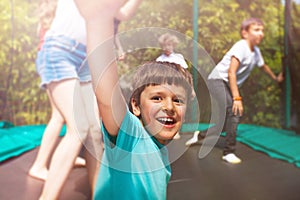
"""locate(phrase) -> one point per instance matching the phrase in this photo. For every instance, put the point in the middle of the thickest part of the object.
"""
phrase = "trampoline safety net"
(292, 60)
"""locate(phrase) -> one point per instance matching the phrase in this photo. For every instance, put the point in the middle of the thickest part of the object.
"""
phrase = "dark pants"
(224, 118)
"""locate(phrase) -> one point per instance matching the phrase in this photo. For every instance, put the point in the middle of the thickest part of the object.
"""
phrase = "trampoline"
(258, 177)
(271, 157)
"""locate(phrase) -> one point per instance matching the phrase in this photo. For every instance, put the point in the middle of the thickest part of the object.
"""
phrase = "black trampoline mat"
(258, 177)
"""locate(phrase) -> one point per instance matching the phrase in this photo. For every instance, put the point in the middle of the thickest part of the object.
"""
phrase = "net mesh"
(292, 61)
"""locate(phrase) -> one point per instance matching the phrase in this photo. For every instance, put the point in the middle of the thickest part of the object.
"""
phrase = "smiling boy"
(135, 163)
(135, 160)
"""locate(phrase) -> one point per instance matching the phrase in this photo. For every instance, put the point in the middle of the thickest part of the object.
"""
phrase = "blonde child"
(168, 44)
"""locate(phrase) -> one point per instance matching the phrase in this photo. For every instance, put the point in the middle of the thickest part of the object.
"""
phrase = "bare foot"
(79, 162)
(40, 174)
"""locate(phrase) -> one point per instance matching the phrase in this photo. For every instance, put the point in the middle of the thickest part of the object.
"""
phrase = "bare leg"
(93, 143)
(39, 168)
(68, 99)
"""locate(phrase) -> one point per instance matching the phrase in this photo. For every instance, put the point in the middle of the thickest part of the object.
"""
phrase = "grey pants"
(221, 93)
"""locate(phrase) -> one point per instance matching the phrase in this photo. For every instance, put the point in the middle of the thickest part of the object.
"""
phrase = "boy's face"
(254, 35)
(162, 110)
(168, 48)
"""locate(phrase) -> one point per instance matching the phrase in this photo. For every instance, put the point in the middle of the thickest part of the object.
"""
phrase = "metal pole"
(287, 21)
(195, 35)
(195, 49)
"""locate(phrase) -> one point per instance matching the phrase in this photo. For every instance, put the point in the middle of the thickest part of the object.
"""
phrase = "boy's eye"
(156, 98)
(181, 101)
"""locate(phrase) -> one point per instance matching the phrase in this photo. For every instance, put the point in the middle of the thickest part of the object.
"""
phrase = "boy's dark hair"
(250, 21)
(157, 73)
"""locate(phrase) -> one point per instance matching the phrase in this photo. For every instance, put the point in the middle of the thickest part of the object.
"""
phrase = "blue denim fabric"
(62, 58)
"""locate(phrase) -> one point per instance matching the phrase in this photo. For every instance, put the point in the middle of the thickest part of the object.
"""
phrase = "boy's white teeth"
(165, 119)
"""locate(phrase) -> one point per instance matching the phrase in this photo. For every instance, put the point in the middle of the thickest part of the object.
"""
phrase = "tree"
(23, 102)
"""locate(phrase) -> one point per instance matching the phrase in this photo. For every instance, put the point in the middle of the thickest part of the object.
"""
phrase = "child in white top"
(168, 43)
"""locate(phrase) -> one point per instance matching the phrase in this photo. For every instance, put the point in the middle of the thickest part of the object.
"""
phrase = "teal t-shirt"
(134, 165)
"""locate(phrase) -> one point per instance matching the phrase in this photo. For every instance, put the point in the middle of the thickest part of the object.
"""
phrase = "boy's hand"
(121, 57)
(280, 77)
(237, 107)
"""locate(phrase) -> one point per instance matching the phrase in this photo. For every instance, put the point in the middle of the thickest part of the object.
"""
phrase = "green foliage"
(219, 22)
(23, 102)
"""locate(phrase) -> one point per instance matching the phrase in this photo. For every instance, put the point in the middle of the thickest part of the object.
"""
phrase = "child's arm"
(99, 17)
(120, 51)
(268, 71)
(128, 10)
(237, 106)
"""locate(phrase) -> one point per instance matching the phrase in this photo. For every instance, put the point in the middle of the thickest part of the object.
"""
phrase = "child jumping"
(228, 76)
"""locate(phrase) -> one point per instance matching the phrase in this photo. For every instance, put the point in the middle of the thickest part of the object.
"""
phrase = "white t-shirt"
(68, 22)
(173, 58)
(248, 60)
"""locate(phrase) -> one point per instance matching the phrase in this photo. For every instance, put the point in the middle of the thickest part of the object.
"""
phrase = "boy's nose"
(168, 106)
(261, 33)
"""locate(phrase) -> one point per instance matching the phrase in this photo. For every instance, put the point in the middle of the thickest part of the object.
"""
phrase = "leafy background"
(22, 102)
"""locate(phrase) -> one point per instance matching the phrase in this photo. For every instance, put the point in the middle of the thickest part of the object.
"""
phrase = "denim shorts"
(62, 58)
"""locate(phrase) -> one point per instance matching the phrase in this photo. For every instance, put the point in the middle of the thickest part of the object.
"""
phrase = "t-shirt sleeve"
(182, 61)
(159, 58)
(130, 132)
(259, 57)
(238, 51)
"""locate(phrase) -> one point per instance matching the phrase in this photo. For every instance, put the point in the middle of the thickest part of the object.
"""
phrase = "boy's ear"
(135, 108)
(244, 34)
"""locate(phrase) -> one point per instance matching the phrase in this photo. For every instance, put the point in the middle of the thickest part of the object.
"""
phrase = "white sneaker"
(231, 158)
(194, 139)
(177, 136)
